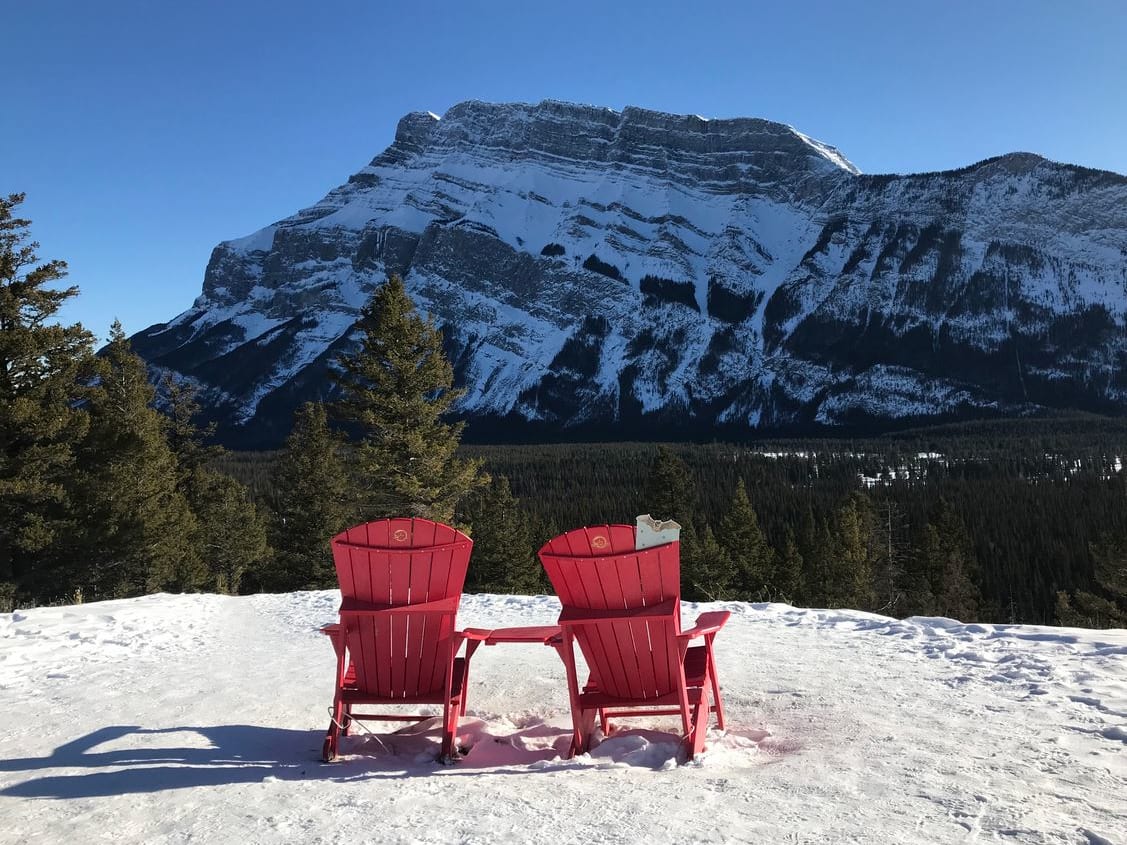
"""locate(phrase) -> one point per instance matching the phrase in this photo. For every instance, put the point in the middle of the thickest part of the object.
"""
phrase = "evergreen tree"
(1087, 610)
(312, 503)
(850, 562)
(917, 591)
(397, 388)
(951, 566)
(186, 439)
(814, 543)
(1105, 605)
(707, 569)
(138, 530)
(669, 492)
(788, 573)
(818, 563)
(41, 364)
(890, 554)
(541, 528)
(230, 537)
(690, 548)
(1109, 558)
(743, 540)
(503, 559)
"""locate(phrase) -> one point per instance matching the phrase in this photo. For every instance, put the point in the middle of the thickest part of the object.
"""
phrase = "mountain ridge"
(745, 276)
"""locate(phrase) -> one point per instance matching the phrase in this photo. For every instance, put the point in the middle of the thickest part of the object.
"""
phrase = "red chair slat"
(635, 660)
(393, 653)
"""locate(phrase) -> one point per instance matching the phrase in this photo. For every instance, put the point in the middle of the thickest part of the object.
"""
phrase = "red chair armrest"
(543, 634)
(707, 623)
(479, 634)
(335, 633)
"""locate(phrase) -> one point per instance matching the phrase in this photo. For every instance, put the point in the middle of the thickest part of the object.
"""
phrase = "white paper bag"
(655, 532)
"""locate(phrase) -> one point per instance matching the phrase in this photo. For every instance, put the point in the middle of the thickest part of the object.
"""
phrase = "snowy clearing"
(200, 718)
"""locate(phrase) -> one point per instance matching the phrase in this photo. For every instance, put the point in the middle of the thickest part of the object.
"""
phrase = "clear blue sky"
(146, 132)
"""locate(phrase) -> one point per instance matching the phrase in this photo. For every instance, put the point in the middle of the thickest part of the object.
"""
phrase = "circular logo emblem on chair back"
(399, 535)
(599, 542)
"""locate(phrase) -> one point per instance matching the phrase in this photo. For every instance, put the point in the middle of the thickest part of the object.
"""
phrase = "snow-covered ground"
(200, 718)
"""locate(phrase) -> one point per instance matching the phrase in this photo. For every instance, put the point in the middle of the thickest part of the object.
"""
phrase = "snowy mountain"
(635, 271)
(200, 718)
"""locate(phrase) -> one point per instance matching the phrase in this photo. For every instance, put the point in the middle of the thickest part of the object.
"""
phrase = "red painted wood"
(622, 607)
(401, 582)
(631, 660)
(400, 562)
(437, 576)
(569, 588)
(418, 582)
(418, 591)
(378, 665)
(622, 538)
(530, 634)
(434, 632)
(669, 571)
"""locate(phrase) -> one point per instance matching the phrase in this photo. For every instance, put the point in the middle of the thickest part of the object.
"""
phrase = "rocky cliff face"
(644, 273)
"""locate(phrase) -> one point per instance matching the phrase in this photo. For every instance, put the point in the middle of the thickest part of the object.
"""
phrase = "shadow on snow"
(143, 760)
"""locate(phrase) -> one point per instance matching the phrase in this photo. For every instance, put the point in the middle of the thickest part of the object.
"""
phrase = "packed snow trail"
(200, 718)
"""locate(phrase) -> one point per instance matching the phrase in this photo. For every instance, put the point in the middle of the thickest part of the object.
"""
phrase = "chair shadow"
(233, 754)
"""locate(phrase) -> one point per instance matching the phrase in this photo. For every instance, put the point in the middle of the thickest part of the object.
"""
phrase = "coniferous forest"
(103, 495)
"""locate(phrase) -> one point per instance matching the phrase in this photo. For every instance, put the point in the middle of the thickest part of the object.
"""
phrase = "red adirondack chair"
(400, 582)
(623, 607)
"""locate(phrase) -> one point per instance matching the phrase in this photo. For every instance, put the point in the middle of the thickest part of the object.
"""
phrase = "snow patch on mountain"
(597, 267)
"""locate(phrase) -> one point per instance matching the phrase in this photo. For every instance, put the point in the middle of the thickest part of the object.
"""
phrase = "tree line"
(1032, 533)
(102, 495)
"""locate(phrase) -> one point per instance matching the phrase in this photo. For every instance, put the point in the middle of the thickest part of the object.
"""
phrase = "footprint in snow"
(1116, 733)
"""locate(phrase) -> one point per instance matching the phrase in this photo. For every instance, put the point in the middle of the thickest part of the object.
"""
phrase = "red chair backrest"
(598, 568)
(400, 562)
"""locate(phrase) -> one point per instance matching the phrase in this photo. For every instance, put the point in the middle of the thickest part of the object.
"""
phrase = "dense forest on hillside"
(1032, 512)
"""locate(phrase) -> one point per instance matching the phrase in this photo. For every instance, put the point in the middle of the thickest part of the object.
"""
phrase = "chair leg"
(686, 715)
(463, 694)
(341, 711)
(449, 731)
(694, 742)
(717, 703)
(332, 736)
(604, 722)
(581, 730)
(471, 647)
(584, 726)
(346, 721)
(329, 748)
(450, 708)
